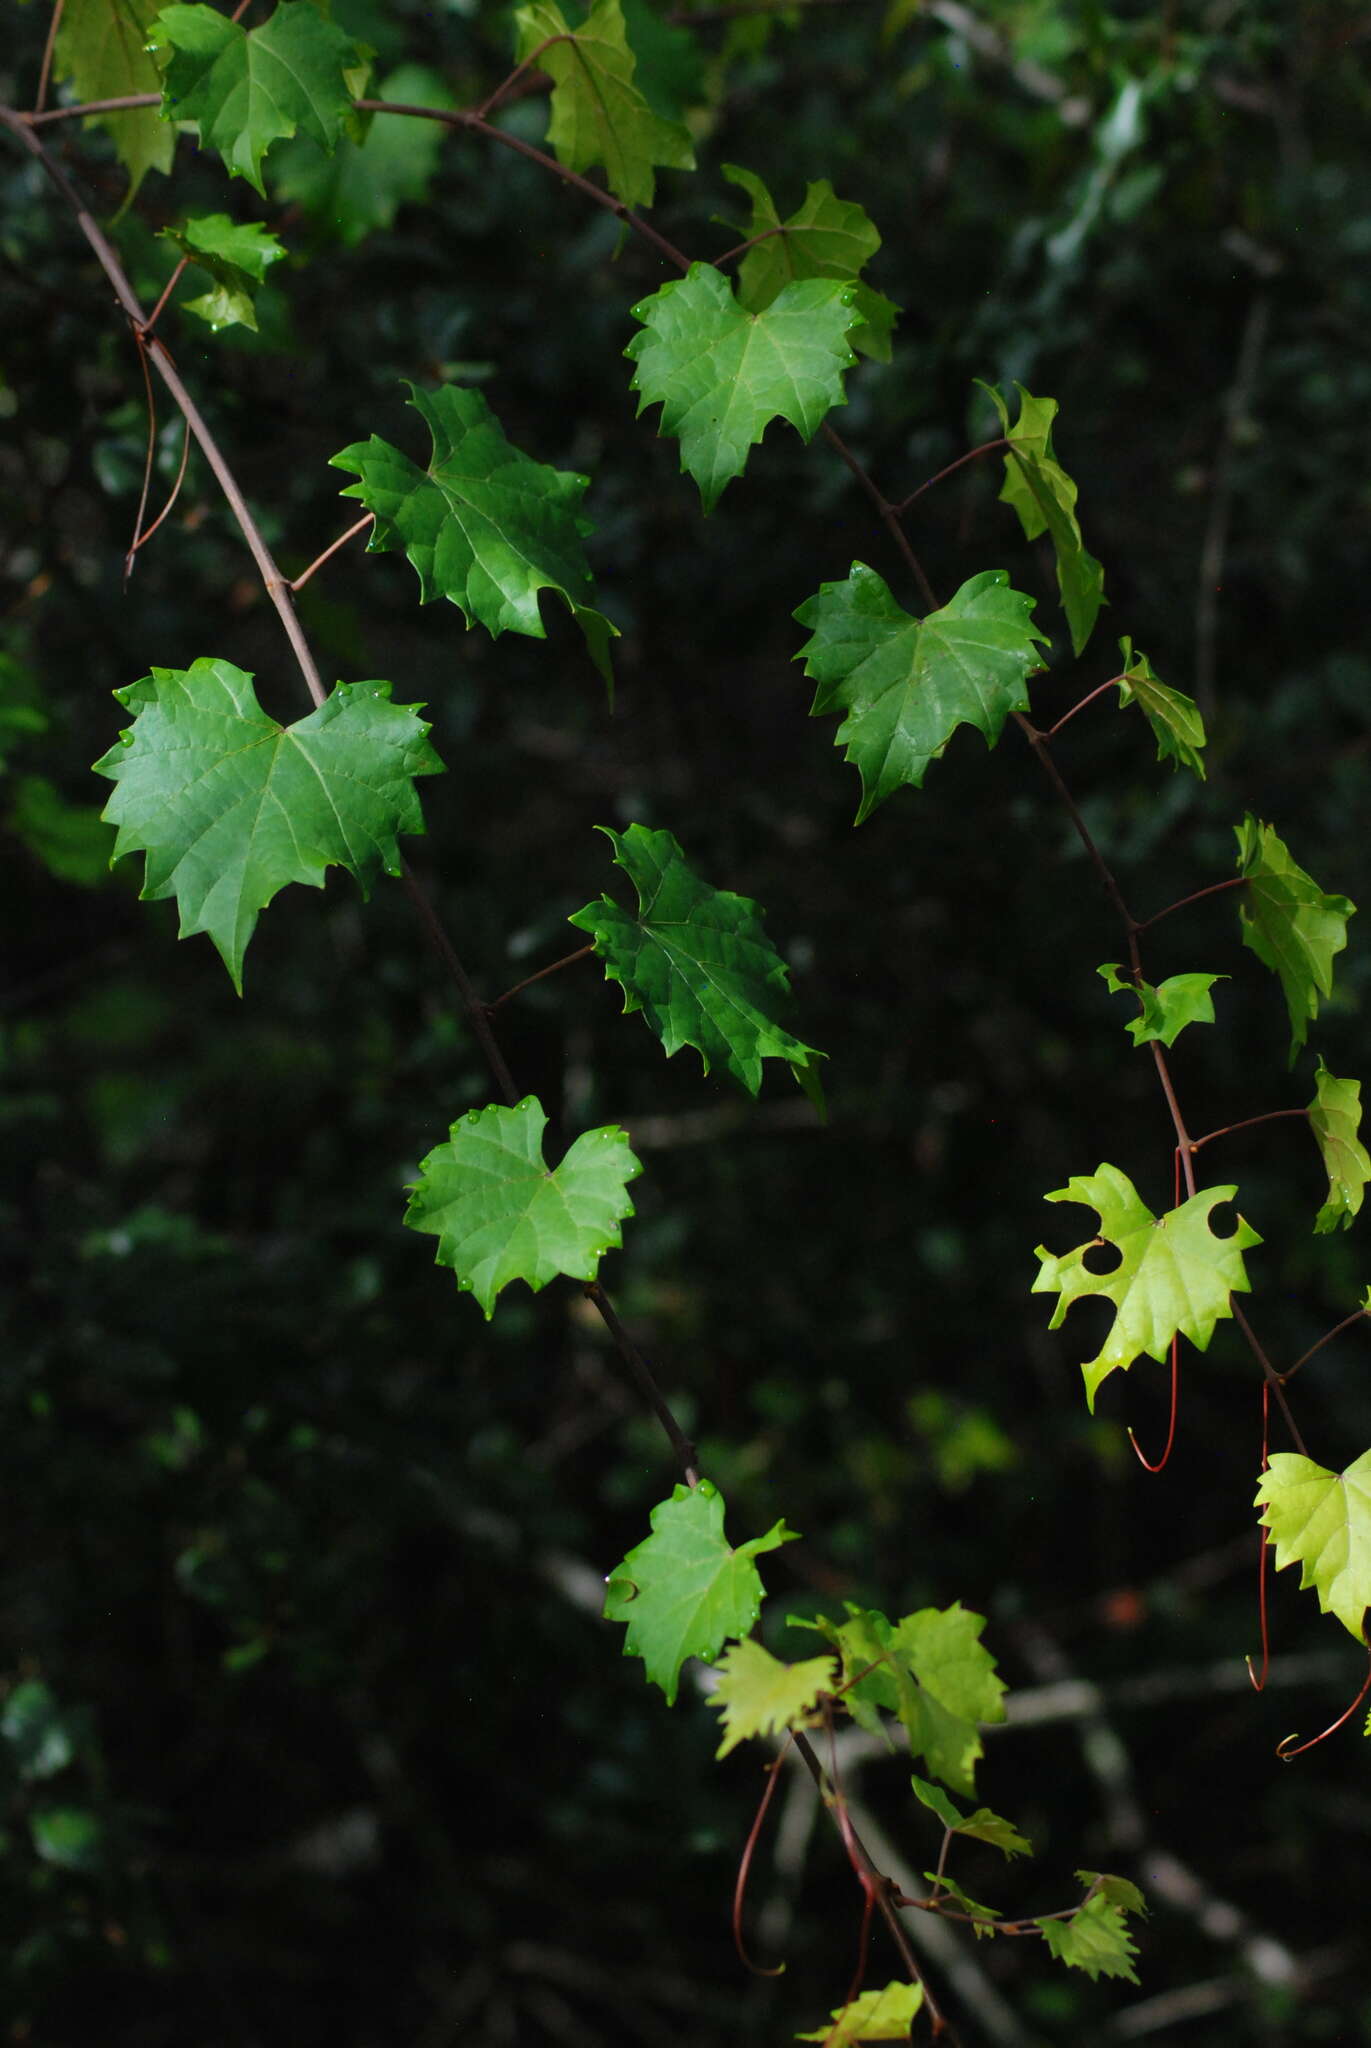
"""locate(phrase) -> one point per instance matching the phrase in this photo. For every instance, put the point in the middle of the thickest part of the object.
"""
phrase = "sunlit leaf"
(1289, 923)
(1173, 1273)
(1321, 1521)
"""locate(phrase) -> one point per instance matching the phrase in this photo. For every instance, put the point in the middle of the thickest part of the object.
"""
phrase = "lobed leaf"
(696, 961)
(982, 1918)
(599, 115)
(229, 806)
(931, 1670)
(683, 1591)
(1321, 1521)
(759, 1695)
(825, 237)
(1289, 923)
(1095, 1939)
(1335, 1119)
(1044, 497)
(906, 684)
(722, 374)
(885, 2015)
(248, 88)
(501, 1214)
(484, 525)
(1167, 1008)
(102, 48)
(1173, 1274)
(981, 1826)
(1174, 718)
(236, 254)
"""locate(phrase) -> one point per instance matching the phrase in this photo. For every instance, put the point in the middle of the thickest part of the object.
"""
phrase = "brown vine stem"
(367, 519)
(1185, 1145)
(1358, 1315)
(888, 514)
(1080, 705)
(492, 100)
(529, 979)
(49, 46)
(472, 119)
(1268, 1116)
(278, 589)
(971, 455)
(124, 104)
(878, 1885)
(1214, 889)
(275, 583)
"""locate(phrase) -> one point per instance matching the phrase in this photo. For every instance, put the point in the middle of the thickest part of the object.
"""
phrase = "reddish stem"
(983, 448)
(773, 1772)
(529, 979)
(1214, 889)
(299, 582)
(1089, 698)
(1268, 1116)
(1287, 1755)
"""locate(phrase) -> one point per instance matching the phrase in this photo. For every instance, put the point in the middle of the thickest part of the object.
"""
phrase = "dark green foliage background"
(290, 1530)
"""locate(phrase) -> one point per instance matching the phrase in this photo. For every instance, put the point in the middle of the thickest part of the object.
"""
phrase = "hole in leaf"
(1223, 1220)
(1101, 1258)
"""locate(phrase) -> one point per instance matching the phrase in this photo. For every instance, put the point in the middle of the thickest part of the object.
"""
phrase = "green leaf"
(1335, 1118)
(362, 185)
(825, 237)
(229, 806)
(102, 48)
(501, 1214)
(982, 1918)
(669, 65)
(484, 525)
(248, 88)
(1174, 718)
(696, 961)
(1118, 1890)
(1095, 1939)
(981, 1826)
(722, 374)
(759, 1695)
(683, 1591)
(884, 2015)
(1321, 1521)
(237, 256)
(906, 684)
(1044, 497)
(1289, 923)
(1167, 1008)
(932, 1671)
(598, 114)
(1173, 1274)
(70, 1837)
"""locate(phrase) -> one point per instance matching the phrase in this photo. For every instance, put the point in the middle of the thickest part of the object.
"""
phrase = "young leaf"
(684, 1591)
(1118, 1890)
(483, 525)
(1044, 497)
(1321, 1521)
(759, 1695)
(906, 684)
(362, 185)
(696, 961)
(1167, 1008)
(884, 2015)
(982, 1918)
(1335, 1118)
(932, 1671)
(1095, 1939)
(229, 806)
(237, 256)
(981, 1826)
(1173, 1272)
(1289, 923)
(599, 116)
(1174, 718)
(501, 1214)
(102, 47)
(825, 237)
(722, 374)
(248, 88)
